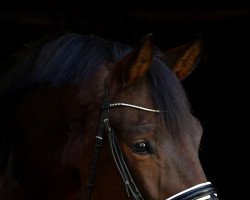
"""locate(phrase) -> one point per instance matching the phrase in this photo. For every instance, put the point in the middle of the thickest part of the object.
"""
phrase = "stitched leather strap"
(130, 185)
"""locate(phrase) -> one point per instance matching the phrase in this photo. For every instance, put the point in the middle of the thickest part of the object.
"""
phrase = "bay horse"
(87, 118)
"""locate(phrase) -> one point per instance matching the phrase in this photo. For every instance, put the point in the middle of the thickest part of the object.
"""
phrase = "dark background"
(217, 89)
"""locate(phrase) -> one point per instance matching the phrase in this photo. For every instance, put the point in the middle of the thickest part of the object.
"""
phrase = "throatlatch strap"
(98, 145)
(92, 175)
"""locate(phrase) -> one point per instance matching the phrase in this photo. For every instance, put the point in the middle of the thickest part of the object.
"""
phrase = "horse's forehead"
(139, 94)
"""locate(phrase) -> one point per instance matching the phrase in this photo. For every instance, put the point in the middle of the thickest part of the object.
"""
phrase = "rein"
(131, 188)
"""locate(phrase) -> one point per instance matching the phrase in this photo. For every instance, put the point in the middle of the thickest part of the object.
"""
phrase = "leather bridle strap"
(98, 145)
(130, 185)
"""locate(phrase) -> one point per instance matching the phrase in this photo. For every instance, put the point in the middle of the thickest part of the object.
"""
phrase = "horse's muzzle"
(203, 191)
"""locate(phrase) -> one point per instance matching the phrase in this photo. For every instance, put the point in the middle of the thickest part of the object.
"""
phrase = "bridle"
(131, 188)
(203, 191)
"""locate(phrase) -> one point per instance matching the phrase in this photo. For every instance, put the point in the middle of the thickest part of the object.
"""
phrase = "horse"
(83, 117)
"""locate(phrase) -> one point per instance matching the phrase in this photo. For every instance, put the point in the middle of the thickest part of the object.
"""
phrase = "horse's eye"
(142, 148)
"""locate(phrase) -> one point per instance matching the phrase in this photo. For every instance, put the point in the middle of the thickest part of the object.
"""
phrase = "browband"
(120, 104)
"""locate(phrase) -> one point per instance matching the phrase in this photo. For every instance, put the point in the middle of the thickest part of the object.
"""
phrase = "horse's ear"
(183, 59)
(135, 65)
(140, 60)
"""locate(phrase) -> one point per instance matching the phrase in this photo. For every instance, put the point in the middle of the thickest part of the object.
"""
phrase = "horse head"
(100, 120)
(157, 135)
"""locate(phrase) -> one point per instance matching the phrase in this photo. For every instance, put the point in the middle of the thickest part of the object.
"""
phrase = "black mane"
(68, 59)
